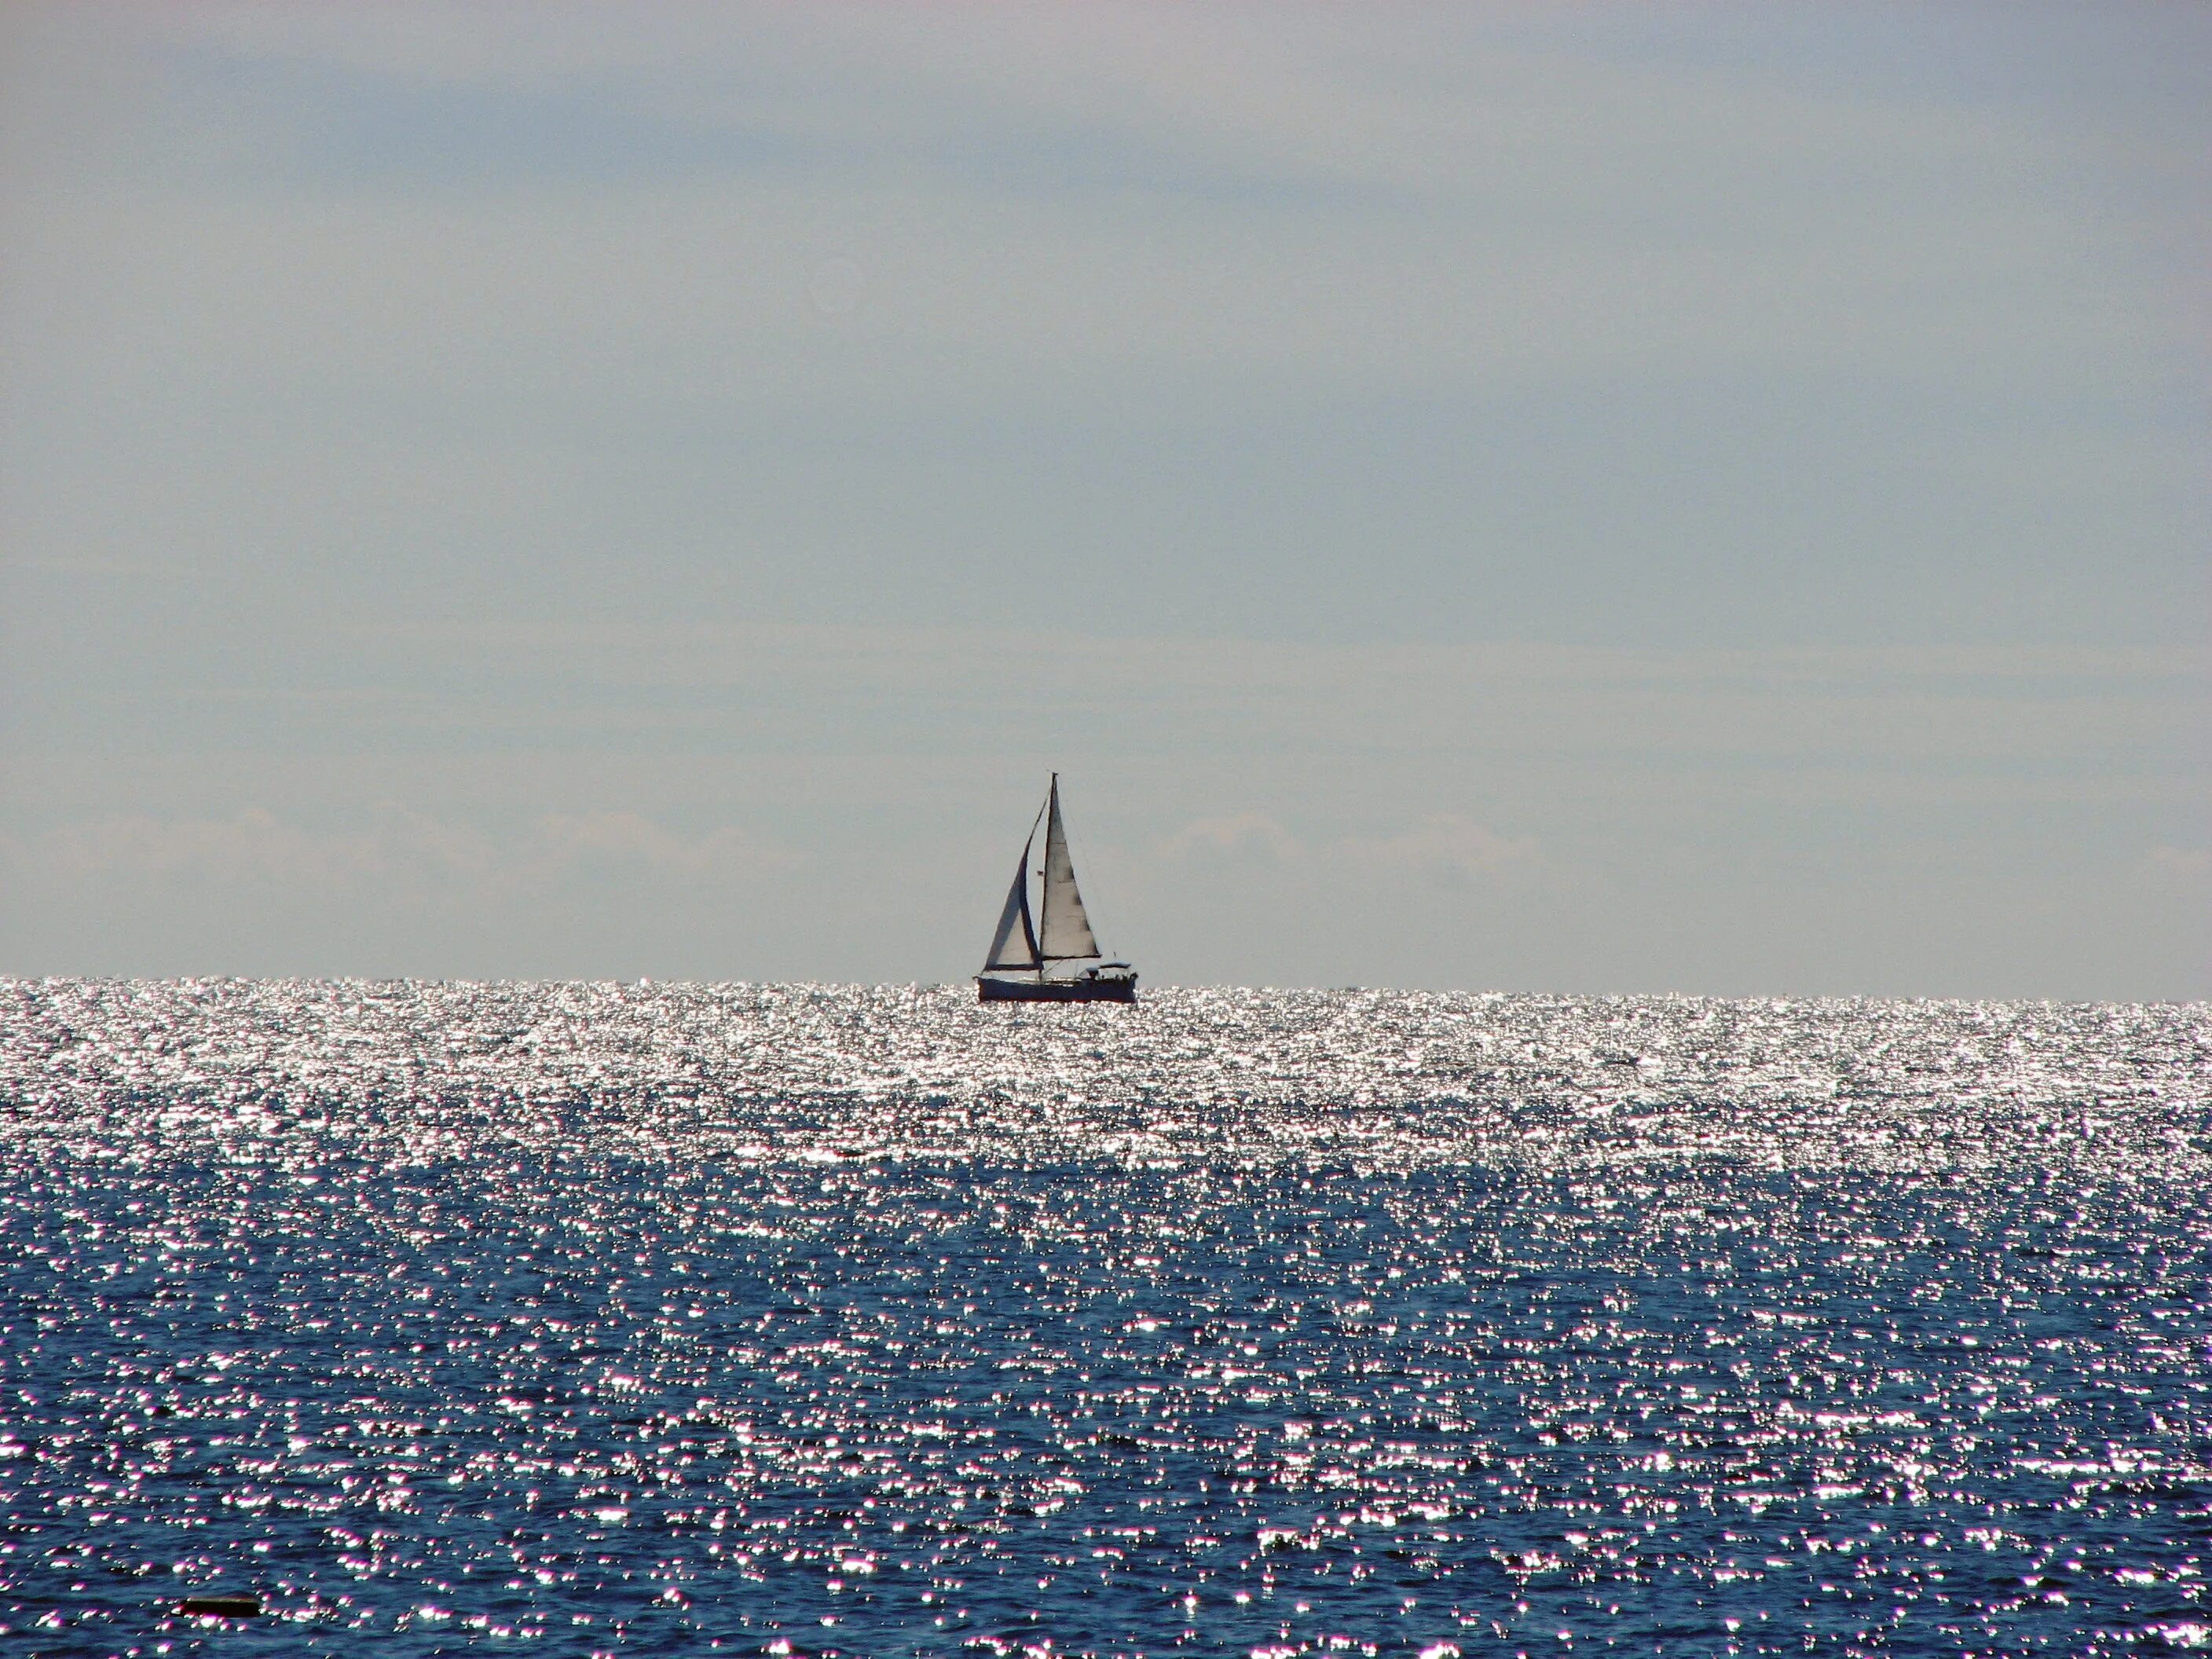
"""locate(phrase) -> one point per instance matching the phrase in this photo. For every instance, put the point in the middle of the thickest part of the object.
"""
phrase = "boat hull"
(1056, 990)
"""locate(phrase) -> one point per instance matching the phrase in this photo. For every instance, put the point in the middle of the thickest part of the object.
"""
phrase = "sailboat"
(1027, 962)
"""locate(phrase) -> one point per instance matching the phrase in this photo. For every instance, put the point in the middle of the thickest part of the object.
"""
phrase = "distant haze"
(1704, 499)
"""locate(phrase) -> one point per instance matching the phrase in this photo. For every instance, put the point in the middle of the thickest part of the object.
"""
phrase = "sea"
(413, 1318)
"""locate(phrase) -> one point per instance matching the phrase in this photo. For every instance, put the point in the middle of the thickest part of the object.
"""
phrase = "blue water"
(609, 1319)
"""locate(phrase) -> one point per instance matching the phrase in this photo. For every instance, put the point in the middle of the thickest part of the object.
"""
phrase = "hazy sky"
(1658, 498)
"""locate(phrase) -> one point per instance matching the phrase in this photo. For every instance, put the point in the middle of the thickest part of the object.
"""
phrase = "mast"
(1051, 808)
(1044, 891)
(1064, 931)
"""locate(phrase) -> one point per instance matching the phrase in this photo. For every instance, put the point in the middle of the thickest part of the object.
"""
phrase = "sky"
(1708, 499)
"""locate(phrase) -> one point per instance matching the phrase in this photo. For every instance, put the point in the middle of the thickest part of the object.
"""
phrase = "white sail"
(1066, 935)
(1014, 945)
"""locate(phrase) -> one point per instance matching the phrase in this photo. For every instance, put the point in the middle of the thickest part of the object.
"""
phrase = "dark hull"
(1056, 990)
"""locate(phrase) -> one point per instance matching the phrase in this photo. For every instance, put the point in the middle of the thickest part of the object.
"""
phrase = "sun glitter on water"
(813, 1319)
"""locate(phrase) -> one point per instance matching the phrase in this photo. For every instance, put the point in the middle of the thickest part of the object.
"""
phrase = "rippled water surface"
(814, 1320)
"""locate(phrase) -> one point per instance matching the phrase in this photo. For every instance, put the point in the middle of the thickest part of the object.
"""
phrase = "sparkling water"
(825, 1320)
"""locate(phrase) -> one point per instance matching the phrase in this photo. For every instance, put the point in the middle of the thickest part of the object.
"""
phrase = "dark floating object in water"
(1019, 966)
(222, 1606)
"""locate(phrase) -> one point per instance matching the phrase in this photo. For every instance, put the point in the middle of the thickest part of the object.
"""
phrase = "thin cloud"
(561, 842)
(1446, 849)
(1241, 837)
(402, 848)
(2189, 868)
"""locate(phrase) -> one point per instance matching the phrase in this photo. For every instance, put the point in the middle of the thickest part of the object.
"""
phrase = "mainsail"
(1066, 935)
(1014, 946)
(1024, 957)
